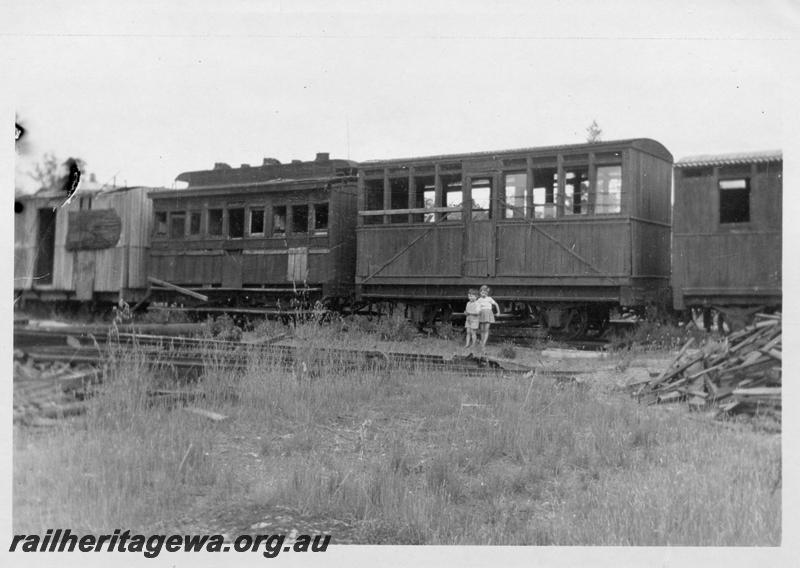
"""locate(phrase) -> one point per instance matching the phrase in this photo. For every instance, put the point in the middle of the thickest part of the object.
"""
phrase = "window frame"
(189, 216)
(157, 224)
(527, 196)
(481, 213)
(273, 212)
(554, 183)
(249, 228)
(209, 215)
(315, 207)
(172, 216)
(294, 217)
(747, 179)
(593, 193)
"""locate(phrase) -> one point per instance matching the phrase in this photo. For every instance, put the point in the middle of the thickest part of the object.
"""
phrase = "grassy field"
(404, 456)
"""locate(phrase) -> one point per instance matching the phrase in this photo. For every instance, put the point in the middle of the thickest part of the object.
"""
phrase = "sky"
(147, 90)
(142, 91)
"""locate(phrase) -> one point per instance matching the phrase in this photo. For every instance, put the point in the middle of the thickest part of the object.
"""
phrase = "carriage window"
(300, 219)
(697, 172)
(161, 222)
(194, 222)
(516, 198)
(424, 198)
(398, 194)
(215, 221)
(576, 191)
(279, 220)
(321, 217)
(453, 196)
(545, 185)
(256, 221)
(734, 200)
(236, 223)
(481, 198)
(177, 224)
(373, 200)
(608, 190)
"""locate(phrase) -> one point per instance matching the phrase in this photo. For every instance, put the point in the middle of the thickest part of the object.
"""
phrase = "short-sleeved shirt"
(485, 304)
(473, 315)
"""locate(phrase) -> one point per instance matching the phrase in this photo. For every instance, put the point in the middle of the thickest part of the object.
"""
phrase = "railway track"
(56, 369)
(189, 352)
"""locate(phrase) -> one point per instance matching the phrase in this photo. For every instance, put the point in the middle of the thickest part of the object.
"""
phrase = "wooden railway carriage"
(258, 236)
(91, 248)
(568, 232)
(727, 232)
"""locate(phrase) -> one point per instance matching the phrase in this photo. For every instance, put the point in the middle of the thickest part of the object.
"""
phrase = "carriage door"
(297, 265)
(232, 269)
(480, 254)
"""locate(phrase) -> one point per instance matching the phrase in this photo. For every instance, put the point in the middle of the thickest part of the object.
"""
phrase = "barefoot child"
(486, 318)
(473, 314)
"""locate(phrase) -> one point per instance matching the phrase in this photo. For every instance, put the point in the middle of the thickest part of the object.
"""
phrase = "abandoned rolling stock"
(567, 232)
(727, 232)
(90, 248)
(258, 236)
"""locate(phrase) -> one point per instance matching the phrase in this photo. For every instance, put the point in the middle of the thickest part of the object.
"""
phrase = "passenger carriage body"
(727, 231)
(258, 236)
(570, 230)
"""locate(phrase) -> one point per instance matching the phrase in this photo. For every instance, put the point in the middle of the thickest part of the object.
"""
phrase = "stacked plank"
(44, 392)
(739, 373)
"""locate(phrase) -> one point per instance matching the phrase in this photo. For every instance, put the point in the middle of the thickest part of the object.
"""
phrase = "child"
(473, 315)
(486, 318)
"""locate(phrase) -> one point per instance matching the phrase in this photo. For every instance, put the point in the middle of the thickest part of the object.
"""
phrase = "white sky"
(145, 91)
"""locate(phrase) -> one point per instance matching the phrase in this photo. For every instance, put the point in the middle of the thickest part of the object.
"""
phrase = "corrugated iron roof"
(730, 159)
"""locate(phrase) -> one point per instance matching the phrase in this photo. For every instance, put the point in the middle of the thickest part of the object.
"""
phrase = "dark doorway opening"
(45, 252)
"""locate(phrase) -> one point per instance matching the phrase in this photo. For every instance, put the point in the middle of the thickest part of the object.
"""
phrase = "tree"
(594, 132)
(50, 174)
(47, 173)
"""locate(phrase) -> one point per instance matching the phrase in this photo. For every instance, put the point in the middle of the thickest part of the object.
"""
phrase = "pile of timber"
(44, 392)
(740, 373)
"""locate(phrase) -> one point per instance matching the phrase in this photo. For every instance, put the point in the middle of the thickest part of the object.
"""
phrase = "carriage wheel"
(577, 323)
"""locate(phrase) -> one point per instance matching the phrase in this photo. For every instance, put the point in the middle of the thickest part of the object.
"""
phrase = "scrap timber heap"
(740, 373)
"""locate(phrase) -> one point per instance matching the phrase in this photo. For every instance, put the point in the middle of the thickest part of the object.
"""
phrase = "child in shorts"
(486, 304)
(473, 316)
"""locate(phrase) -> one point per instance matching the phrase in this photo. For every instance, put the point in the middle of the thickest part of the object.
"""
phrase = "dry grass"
(409, 456)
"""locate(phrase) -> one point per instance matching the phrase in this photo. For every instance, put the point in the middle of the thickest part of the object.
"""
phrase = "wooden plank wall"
(652, 189)
(733, 260)
(524, 251)
(339, 266)
(135, 212)
(271, 268)
(738, 257)
(25, 231)
(651, 249)
(109, 263)
(258, 267)
(438, 253)
(64, 265)
(477, 261)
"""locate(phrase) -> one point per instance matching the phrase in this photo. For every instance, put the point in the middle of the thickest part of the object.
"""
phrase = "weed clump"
(508, 352)
(651, 335)
(223, 328)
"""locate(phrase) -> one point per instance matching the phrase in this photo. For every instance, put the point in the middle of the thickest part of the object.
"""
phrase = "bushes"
(651, 335)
